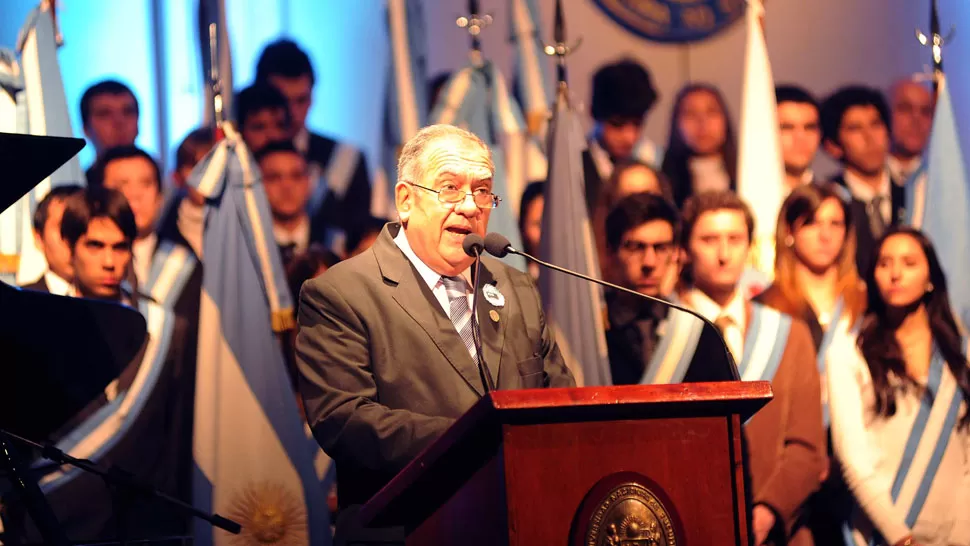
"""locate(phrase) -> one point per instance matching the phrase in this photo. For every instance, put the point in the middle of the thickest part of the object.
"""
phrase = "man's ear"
(403, 200)
(833, 149)
(39, 243)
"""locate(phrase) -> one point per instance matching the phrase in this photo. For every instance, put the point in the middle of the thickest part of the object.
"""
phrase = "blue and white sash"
(672, 357)
(934, 424)
(172, 265)
(835, 323)
(764, 343)
(101, 432)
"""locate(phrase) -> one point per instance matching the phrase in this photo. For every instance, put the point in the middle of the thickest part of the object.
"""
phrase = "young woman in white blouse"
(898, 402)
(816, 280)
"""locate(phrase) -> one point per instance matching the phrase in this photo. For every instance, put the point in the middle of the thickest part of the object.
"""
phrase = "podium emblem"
(630, 515)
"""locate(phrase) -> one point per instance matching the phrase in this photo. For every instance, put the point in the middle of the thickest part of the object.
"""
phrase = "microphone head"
(497, 245)
(473, 244)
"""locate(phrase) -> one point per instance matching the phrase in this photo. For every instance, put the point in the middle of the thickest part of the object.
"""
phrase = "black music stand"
(42, 336)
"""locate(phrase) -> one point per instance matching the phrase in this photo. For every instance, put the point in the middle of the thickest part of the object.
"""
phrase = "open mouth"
(458, 230)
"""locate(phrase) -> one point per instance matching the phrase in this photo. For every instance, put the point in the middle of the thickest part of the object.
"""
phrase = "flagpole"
(560, 49)
(474, 22)
(935, 41)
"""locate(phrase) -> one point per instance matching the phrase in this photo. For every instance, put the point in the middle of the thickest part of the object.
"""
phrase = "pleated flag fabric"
(405, 106)
(761, 172)
(574, 307)
(939, 202)
(41, 109)
(477, 98)
(252, 460)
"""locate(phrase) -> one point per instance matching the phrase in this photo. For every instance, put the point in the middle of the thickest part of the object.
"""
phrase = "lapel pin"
(493, 314)
(493, 296)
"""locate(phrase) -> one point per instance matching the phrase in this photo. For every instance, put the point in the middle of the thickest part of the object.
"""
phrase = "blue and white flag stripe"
(671, 359)
(41, 108)
(764, 343)
(574, 307)
(933, 426)
(938, 198)
(97, 435)
(477, 99)
(250, 448)
(531, 67)
(171, 267)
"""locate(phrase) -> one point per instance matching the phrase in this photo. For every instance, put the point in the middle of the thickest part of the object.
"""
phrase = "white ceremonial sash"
(928, 439)
(672, 357)
(764, 343)
(100, 432)
(172, 265)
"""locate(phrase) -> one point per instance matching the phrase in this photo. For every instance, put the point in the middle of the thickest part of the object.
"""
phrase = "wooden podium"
(635, 465)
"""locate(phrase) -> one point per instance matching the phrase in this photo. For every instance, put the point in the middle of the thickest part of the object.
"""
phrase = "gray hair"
(410, 167)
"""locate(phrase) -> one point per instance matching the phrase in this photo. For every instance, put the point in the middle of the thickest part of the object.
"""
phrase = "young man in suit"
(785, 440)
(855, 131)
(913, 105)
(47, 236)
(133, 424)
(649, 342)
(338, 170)
(801, 133)
(389, 369)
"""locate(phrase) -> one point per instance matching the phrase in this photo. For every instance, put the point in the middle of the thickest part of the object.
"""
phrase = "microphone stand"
(509, 249)
(125, 482)
(483, 371)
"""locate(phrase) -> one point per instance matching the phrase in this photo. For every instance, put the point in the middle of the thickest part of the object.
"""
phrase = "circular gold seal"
(630, 515)
(270, 514)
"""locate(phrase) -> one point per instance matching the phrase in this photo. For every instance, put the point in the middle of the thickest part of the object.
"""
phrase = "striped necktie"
(460, 312)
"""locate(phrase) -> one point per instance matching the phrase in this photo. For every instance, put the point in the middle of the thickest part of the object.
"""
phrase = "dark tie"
(461, 314)
(874, 211)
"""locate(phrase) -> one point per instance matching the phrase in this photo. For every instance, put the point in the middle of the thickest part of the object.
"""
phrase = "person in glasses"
(649, 342)
(385, 348)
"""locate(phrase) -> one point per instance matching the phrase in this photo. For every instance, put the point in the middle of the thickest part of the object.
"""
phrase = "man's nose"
(467, 206)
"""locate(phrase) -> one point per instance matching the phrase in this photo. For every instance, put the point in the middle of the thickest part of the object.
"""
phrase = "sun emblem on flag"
(269, 514)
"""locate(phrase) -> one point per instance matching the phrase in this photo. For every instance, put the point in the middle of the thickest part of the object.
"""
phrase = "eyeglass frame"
(664, 250)
(495, 198)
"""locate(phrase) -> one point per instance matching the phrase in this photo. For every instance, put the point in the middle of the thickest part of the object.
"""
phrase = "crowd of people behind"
(867, 434)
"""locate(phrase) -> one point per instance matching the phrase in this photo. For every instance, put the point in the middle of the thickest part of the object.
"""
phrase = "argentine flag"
(252, 461)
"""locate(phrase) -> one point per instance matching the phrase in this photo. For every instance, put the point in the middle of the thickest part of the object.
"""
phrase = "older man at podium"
(385, 347)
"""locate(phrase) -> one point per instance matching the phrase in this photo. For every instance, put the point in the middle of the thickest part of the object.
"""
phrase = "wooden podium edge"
(476, 434)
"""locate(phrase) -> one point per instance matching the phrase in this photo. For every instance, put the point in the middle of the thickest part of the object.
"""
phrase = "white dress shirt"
(866, 193)
(299, 237)
(732, 315)
(902, 169)
(141, 257)
(56, 284)
(432, 279)
(708, 174)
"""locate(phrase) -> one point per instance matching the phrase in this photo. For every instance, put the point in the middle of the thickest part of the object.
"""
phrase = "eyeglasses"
(483, 198)
(663, 250)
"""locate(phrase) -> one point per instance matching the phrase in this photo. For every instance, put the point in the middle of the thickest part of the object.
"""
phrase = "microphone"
(498, 245)
(473, 246)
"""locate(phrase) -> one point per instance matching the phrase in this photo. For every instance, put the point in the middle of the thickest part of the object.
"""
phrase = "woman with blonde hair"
(816, 280)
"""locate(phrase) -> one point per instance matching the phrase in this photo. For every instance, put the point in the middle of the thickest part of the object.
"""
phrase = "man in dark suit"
(47, 236)
(134, 423)
(643, 233)
(855, 131)
(384, 347)
(801, 134)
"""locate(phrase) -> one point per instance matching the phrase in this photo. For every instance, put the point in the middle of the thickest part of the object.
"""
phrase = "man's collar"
(703, 304)
(623, 309)
(301, 141)
(56, 284)
(863, 191)
(429, 276)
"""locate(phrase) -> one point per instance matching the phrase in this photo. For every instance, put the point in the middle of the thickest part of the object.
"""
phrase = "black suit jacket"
(40, 285)
(341, 212)
(628, 350)
(865, 239)
(383, 373)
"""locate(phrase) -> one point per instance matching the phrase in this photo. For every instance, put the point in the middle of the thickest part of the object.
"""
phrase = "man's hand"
(763, 520)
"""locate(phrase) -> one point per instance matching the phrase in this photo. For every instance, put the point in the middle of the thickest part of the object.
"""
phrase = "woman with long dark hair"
(898, 401)
(701, 152)
(816, 280)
